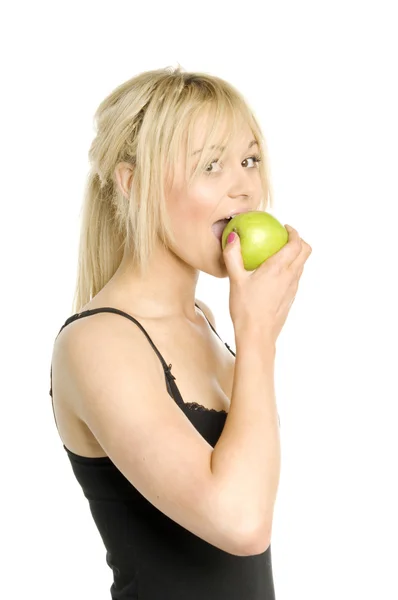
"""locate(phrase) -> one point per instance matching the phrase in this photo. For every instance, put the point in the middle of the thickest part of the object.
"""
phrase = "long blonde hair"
(144, 122)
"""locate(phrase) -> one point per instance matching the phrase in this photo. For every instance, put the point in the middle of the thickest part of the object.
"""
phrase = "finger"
(298, 263)
(289, 297)
(289, 252)
(233, 259)
(292, 292)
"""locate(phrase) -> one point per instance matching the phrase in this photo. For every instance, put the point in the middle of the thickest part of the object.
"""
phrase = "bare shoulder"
(102, 340)
(118, 385)
(83, 345)
(209, 314)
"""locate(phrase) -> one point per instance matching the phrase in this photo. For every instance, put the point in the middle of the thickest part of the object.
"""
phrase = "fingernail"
(231, 237)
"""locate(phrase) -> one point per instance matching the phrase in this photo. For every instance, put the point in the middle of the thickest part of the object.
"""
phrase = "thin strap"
(171, 386)
(225, 344)
(94, 311)
(167, 368)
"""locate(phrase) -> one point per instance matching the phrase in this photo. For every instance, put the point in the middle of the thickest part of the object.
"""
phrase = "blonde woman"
(174, 438)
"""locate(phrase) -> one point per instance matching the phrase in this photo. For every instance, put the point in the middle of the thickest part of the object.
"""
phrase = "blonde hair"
(145, 122)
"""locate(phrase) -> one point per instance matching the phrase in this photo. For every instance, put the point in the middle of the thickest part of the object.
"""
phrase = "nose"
(241, 184)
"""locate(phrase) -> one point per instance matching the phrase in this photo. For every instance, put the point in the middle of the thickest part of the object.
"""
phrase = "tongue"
(218, 227)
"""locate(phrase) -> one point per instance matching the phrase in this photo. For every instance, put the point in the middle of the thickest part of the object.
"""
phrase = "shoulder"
(207, 312)
(99, 338)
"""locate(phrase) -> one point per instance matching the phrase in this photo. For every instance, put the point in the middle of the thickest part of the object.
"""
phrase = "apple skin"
(261, 235)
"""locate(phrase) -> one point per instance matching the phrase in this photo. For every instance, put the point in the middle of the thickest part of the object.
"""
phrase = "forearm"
(246, 459)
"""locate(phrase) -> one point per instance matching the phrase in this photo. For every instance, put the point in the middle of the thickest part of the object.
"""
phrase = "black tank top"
(151, 556)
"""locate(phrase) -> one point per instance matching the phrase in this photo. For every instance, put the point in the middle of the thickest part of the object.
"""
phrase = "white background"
(322, 79)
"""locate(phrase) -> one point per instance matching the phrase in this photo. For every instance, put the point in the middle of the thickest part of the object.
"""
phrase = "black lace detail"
(200, 408)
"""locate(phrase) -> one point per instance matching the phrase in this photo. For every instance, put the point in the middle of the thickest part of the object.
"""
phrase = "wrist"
(251, 335)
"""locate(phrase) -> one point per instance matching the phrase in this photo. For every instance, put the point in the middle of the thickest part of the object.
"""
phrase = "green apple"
(261, 236)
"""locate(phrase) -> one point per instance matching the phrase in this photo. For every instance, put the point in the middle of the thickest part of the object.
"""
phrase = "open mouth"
(219, 226)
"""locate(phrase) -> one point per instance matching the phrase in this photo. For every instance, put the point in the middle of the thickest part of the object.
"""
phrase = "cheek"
(191, 210)
(195, 204)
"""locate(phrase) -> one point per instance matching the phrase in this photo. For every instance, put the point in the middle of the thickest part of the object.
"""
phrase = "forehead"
(204, 127)
(206, 136)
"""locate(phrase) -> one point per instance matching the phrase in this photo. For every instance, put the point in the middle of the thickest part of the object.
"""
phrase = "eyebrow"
(252, 143)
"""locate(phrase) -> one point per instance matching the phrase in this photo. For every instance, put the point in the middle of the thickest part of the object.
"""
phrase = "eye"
(213, 162)
(209, 170)
(256, 159)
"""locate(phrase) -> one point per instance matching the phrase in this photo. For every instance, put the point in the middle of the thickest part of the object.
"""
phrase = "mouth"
(219, 226)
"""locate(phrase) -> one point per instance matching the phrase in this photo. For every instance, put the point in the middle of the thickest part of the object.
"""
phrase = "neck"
(167, 290)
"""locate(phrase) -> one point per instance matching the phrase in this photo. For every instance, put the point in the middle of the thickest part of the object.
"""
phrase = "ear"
(124, 173)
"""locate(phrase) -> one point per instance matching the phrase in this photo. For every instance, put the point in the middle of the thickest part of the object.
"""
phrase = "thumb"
(233, 257)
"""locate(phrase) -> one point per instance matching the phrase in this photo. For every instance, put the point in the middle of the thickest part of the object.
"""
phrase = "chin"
(216, 268)
(219, 269)
(213, 263)
(222, 272)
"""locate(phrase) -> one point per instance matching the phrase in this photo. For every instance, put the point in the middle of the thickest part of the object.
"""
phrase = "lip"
(236, 212)
(233, 213)
(218, 227)
(230, 216)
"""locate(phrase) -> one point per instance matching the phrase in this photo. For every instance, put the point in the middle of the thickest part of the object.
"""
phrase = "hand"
(261, 299)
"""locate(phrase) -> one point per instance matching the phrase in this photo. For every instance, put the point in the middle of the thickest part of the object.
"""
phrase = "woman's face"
(233, 186)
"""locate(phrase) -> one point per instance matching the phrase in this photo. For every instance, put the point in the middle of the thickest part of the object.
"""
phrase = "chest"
(202, 366)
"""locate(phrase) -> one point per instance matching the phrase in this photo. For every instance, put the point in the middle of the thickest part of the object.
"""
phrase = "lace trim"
(193, 405)
(200, 408)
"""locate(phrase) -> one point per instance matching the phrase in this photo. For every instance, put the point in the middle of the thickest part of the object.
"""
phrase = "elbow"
(257, 546)
(253, 540)
(256, 543)
(247, 528)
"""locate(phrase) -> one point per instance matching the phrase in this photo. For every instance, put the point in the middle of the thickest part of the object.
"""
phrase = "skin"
(87, 378)
(235, 185)
(203, 366)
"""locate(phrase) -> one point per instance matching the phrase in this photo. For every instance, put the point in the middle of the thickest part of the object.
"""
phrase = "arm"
(248, 453)
(116, 385)
(246, 459)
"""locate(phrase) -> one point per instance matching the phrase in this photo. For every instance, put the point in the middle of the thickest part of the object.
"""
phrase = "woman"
(174, 442)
